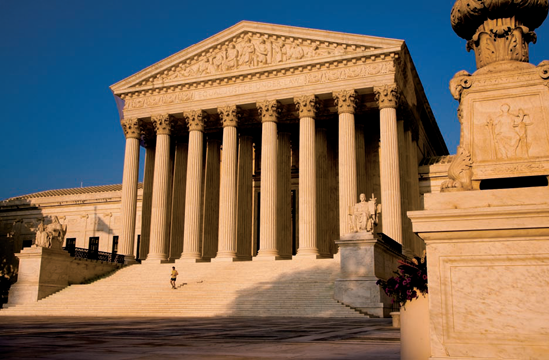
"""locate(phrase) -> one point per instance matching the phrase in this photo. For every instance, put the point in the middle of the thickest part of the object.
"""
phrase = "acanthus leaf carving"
(230, 115)
(346, 101)
(307, 105)
(195, 119)
(131, 128)
(163, 124)
(460, 172)
(387, 96)
(269, 110)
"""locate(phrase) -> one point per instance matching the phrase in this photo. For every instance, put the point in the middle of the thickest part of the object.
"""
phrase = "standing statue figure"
(363, 215)
(52, 235)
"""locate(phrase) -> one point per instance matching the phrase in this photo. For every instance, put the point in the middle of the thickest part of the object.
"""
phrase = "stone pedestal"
(488, 260)
(414, 329)
(365, 259)
(44, 271)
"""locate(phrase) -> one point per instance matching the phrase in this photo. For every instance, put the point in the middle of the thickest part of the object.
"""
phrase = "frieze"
(511, 169)
(252, 50)
(318, 77)
(502, 79)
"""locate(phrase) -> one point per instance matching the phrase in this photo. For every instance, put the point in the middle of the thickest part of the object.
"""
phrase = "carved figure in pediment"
(509, 134)
(296, 52)
(263, 52)
(232, 58)
(363, 215)
(218, 60)
(204, 67)
(280, 52)
(248, 53)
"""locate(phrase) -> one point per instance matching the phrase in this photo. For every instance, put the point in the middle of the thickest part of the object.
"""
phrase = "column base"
(271, 258)
(129, 260)
(154, 261)
(312, 256)
(225, 259)
(191, 260)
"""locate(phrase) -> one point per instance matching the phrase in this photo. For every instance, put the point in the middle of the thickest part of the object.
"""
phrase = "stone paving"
(197, 338)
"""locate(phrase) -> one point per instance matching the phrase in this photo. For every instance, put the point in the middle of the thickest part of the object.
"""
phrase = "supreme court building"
(259, 139)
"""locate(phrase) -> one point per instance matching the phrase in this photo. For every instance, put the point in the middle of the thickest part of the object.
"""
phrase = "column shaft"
(146, 204)
(178, 202)
(390, 178)
(284, 195)
(347, 169)
(269, 198)
(160, 200)
(129, 198)
(307, 188)
(193, 197)
(322, 194)
(227, 197)
(210, 197)
(244, 198)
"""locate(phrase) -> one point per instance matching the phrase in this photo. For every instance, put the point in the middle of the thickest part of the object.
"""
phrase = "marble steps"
(253, 288)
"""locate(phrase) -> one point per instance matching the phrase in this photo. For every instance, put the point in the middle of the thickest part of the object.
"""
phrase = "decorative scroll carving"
(132, 128)
(163, 124)
(307, 105)
(148, 136)
(462, 80)
(346, 101)
(51, 236)
(498, 30)
(544, 71)
(230, 115)
(363, 215)
(269, 110)
(387, 96)
(460, 172)
(252, 50)
(195, 119)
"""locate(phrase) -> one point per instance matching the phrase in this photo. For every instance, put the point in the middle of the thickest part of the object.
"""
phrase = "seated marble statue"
(52, 235)
(363, 215)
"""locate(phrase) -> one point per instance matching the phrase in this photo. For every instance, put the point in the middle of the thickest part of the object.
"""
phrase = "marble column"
(269, 112)
(284, 204)
(411, 136)
(361, 175)
(161, 192)
(346, 101)
(178, 197)
(193, 191)
(322, 195)
(244, 198)
(128, 206)
(387, 97)
(227, 246)
(210, 197)
(146, 204)
(307, 107)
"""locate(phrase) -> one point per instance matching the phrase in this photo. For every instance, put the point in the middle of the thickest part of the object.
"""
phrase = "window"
(70, 246)
(93, 248)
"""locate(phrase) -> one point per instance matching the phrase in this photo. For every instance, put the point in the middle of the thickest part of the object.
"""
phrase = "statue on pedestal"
(51, 236)
(363, 215)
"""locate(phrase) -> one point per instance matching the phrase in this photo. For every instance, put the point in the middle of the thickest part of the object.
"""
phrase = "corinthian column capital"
(307, 105)
(195, 119)
(387, 96)
(163, 124)
(346, 101)
(269, 110)
(132, 128)
(230, 115)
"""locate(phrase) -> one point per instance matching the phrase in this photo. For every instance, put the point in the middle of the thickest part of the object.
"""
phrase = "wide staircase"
(302, 287)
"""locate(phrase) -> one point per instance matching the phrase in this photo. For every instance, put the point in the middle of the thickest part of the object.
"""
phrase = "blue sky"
(60, 125)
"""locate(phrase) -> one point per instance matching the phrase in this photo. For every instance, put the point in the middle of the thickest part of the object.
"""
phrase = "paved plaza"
(197, 338)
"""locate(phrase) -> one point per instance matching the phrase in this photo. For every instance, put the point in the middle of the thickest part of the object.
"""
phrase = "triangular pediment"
(250, 47)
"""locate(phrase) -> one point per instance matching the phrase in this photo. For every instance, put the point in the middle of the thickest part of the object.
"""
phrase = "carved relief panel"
(507, 132)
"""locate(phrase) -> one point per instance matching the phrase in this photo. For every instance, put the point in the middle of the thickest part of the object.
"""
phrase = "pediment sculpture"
(248, 51)
(363, 216)
(51, 236)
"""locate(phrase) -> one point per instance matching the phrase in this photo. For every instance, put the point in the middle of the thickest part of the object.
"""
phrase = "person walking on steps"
(174, 277)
